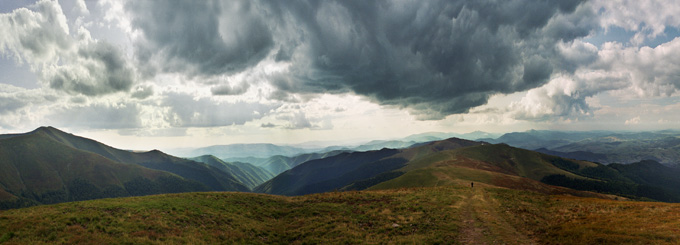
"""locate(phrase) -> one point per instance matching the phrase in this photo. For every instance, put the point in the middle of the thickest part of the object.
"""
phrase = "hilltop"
(50, 166)
(349, 168)
(444, 214)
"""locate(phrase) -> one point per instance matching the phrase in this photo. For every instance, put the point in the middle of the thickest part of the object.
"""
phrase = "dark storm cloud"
(199, 37)
(267, 125)
(434, 58)
(185, 111)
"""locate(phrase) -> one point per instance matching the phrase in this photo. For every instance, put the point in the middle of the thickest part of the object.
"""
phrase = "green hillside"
(251, 176)
(353, 170)
(331, 173)
(211, 177)
(36, 169)
(506, 166)
(456, 161)
(453, 214)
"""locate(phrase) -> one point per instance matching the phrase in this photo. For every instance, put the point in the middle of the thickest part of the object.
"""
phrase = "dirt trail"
(483, 225)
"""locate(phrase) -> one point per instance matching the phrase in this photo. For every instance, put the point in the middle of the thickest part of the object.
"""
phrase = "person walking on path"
(472, 184)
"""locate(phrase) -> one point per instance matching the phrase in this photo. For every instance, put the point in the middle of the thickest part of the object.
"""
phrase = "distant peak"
(208, 156)
(46, 129)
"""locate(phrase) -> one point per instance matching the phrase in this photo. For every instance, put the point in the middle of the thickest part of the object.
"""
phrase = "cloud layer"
(199, 38)
(435, 58)
(66, 61)
(149, 67)
(186, 111)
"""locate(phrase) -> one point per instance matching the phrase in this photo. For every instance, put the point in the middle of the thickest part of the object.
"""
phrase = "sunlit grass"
(406, 215)
(341, 217)
(576, 220)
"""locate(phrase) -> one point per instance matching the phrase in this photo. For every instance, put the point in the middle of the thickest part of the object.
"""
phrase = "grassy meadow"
(403, 216)
(445, 214)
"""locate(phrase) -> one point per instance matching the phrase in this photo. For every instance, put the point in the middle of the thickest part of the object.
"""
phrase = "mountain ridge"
(36, 169)
(48, 165)
(210, 176)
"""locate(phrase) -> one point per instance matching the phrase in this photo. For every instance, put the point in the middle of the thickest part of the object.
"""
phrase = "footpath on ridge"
(482, 224)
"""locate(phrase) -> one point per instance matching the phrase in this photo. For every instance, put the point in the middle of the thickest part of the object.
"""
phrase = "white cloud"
(142, 92)
(650, 71)
(648, 18)
(81, 8)
(632, 121)
(97, 115)
(633, 71)
(71, 62)
(560, 98)
(24, 109)
(225, 89)
(187, 111)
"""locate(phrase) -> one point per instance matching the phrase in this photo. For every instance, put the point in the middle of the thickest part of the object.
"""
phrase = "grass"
(401, 216)
(577, 220)
(443, 214)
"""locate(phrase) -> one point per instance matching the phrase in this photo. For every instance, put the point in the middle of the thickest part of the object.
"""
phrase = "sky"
(160, 74)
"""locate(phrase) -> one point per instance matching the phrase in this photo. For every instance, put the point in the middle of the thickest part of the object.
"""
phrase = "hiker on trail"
(472, 184)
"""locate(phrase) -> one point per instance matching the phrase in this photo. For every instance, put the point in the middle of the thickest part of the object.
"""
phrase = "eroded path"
(482, 224)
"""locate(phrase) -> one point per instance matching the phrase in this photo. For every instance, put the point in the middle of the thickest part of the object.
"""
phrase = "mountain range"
(423, 192)
(456, 161)
(255, 153)
(600, 146)
(49, 166)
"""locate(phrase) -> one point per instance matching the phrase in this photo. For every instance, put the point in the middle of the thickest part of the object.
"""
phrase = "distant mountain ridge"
(254, 153)
(246, 150)
(600, 146)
